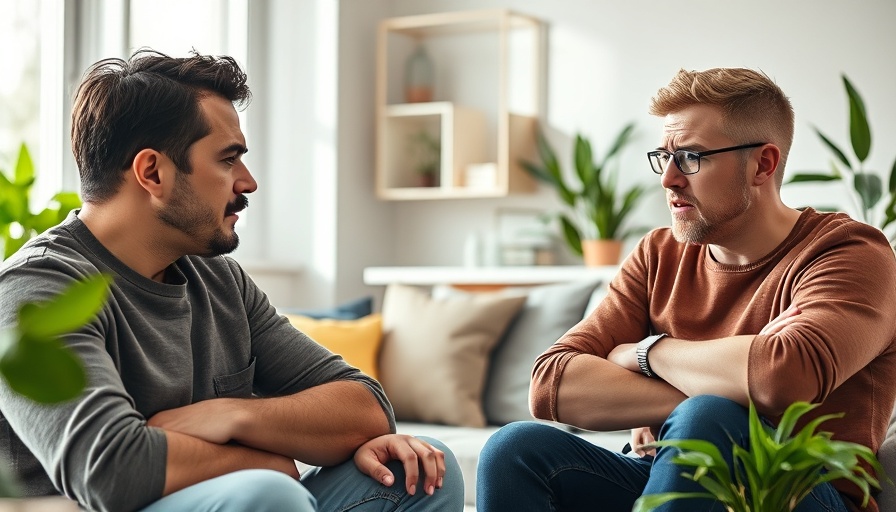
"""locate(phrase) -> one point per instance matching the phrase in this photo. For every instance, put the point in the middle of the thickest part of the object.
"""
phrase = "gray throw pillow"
(549, 311)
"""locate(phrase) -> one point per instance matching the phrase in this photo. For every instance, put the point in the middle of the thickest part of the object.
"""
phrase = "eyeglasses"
(688, 162)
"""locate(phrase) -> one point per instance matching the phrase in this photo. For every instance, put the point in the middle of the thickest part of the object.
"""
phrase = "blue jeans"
(333, 489)
(533, 466)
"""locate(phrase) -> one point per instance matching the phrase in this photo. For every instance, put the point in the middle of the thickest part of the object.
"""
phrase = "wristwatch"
(643, 348)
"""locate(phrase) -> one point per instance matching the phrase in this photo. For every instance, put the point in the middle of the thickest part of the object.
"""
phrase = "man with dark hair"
(199, 395)
(743, 299)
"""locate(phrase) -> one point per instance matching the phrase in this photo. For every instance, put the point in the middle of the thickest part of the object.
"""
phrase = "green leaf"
(69, 310)
(572, 235)
(649, 502)
(788, 420)
(584, 162)
(834, 149)
(44, 220)
(869, 187)
(621, 140)
(11, 244)
(68, 201)
(537, 172)
(892, 182)
(808, 177)
(43, 371)
(859, 131)
(24, 173)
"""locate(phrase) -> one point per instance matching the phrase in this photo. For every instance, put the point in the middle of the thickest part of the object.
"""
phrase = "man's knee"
(709, 406)
(515, 441)
(268, 491)
(706, 417)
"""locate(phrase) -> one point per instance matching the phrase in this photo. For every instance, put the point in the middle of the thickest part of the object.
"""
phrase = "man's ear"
(150, 168)
(769, 159)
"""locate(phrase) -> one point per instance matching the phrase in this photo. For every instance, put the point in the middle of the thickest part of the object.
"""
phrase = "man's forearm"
(191, 460)
(712, 367)
(597, 394)
(322, 426)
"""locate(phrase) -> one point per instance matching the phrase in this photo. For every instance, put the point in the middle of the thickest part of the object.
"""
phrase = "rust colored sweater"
(841, 352)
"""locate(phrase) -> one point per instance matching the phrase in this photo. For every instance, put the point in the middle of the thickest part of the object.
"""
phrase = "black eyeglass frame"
(651, 155)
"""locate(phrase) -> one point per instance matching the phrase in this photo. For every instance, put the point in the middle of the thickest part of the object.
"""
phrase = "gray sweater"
(152, 347)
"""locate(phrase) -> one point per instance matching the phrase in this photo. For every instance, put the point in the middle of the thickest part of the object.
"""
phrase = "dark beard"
(194, 219)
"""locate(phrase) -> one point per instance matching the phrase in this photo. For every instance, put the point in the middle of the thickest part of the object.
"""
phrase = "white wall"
(605, 60)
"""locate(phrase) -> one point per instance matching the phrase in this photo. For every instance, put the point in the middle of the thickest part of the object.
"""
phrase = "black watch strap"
(641, 351)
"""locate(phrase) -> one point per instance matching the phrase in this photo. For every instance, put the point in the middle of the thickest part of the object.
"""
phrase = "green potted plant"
(776, 472)
(598, 208)
(17, 223)
(864, 186)
(427, 150)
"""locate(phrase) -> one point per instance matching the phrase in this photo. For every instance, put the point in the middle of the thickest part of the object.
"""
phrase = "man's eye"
(690, 156)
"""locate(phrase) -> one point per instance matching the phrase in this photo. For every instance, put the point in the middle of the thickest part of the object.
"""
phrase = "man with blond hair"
(742, 299)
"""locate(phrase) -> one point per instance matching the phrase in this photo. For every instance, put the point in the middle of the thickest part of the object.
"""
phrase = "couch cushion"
(435, 352)
(357, 341)
(549, 311)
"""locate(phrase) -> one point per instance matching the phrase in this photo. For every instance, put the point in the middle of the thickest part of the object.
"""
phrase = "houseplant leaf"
(859, 131)
(584, 163)
(869, 187)
(809, 177)
(571, 234)
(834, 149)
(72, 308)
(621, 140)
(43, 370)
(24, 173)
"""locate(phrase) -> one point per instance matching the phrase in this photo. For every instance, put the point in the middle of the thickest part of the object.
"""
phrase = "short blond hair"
(754, 108)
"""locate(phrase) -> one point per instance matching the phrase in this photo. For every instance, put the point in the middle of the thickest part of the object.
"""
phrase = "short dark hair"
(149, 101)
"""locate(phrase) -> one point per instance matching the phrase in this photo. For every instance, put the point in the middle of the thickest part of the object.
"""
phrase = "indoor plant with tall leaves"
(865, 186)
(598, 209)
(17, 223)
(778, 469)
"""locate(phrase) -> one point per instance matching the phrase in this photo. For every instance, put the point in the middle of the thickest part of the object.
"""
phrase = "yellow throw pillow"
(357, 341)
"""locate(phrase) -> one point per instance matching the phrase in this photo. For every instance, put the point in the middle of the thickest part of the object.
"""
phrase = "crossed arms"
(798, 334)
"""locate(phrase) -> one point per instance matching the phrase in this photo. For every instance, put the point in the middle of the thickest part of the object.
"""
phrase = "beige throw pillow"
(435, 352)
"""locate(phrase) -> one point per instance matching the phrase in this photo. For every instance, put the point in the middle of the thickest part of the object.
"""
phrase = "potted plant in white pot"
(596, 226)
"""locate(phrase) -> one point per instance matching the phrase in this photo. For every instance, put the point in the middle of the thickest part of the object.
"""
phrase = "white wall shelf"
(483, 132)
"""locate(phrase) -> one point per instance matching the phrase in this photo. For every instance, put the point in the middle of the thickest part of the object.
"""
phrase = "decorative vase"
(419, 77)
(601, 252)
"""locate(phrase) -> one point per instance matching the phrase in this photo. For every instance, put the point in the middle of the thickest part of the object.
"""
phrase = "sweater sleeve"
(845, 287)
(288, 361)
(95, 449)
(621, 317)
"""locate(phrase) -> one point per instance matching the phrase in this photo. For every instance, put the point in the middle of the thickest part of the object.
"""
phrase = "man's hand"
(640, 437)
(210, 420)
(413, 454)
(625, 356)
